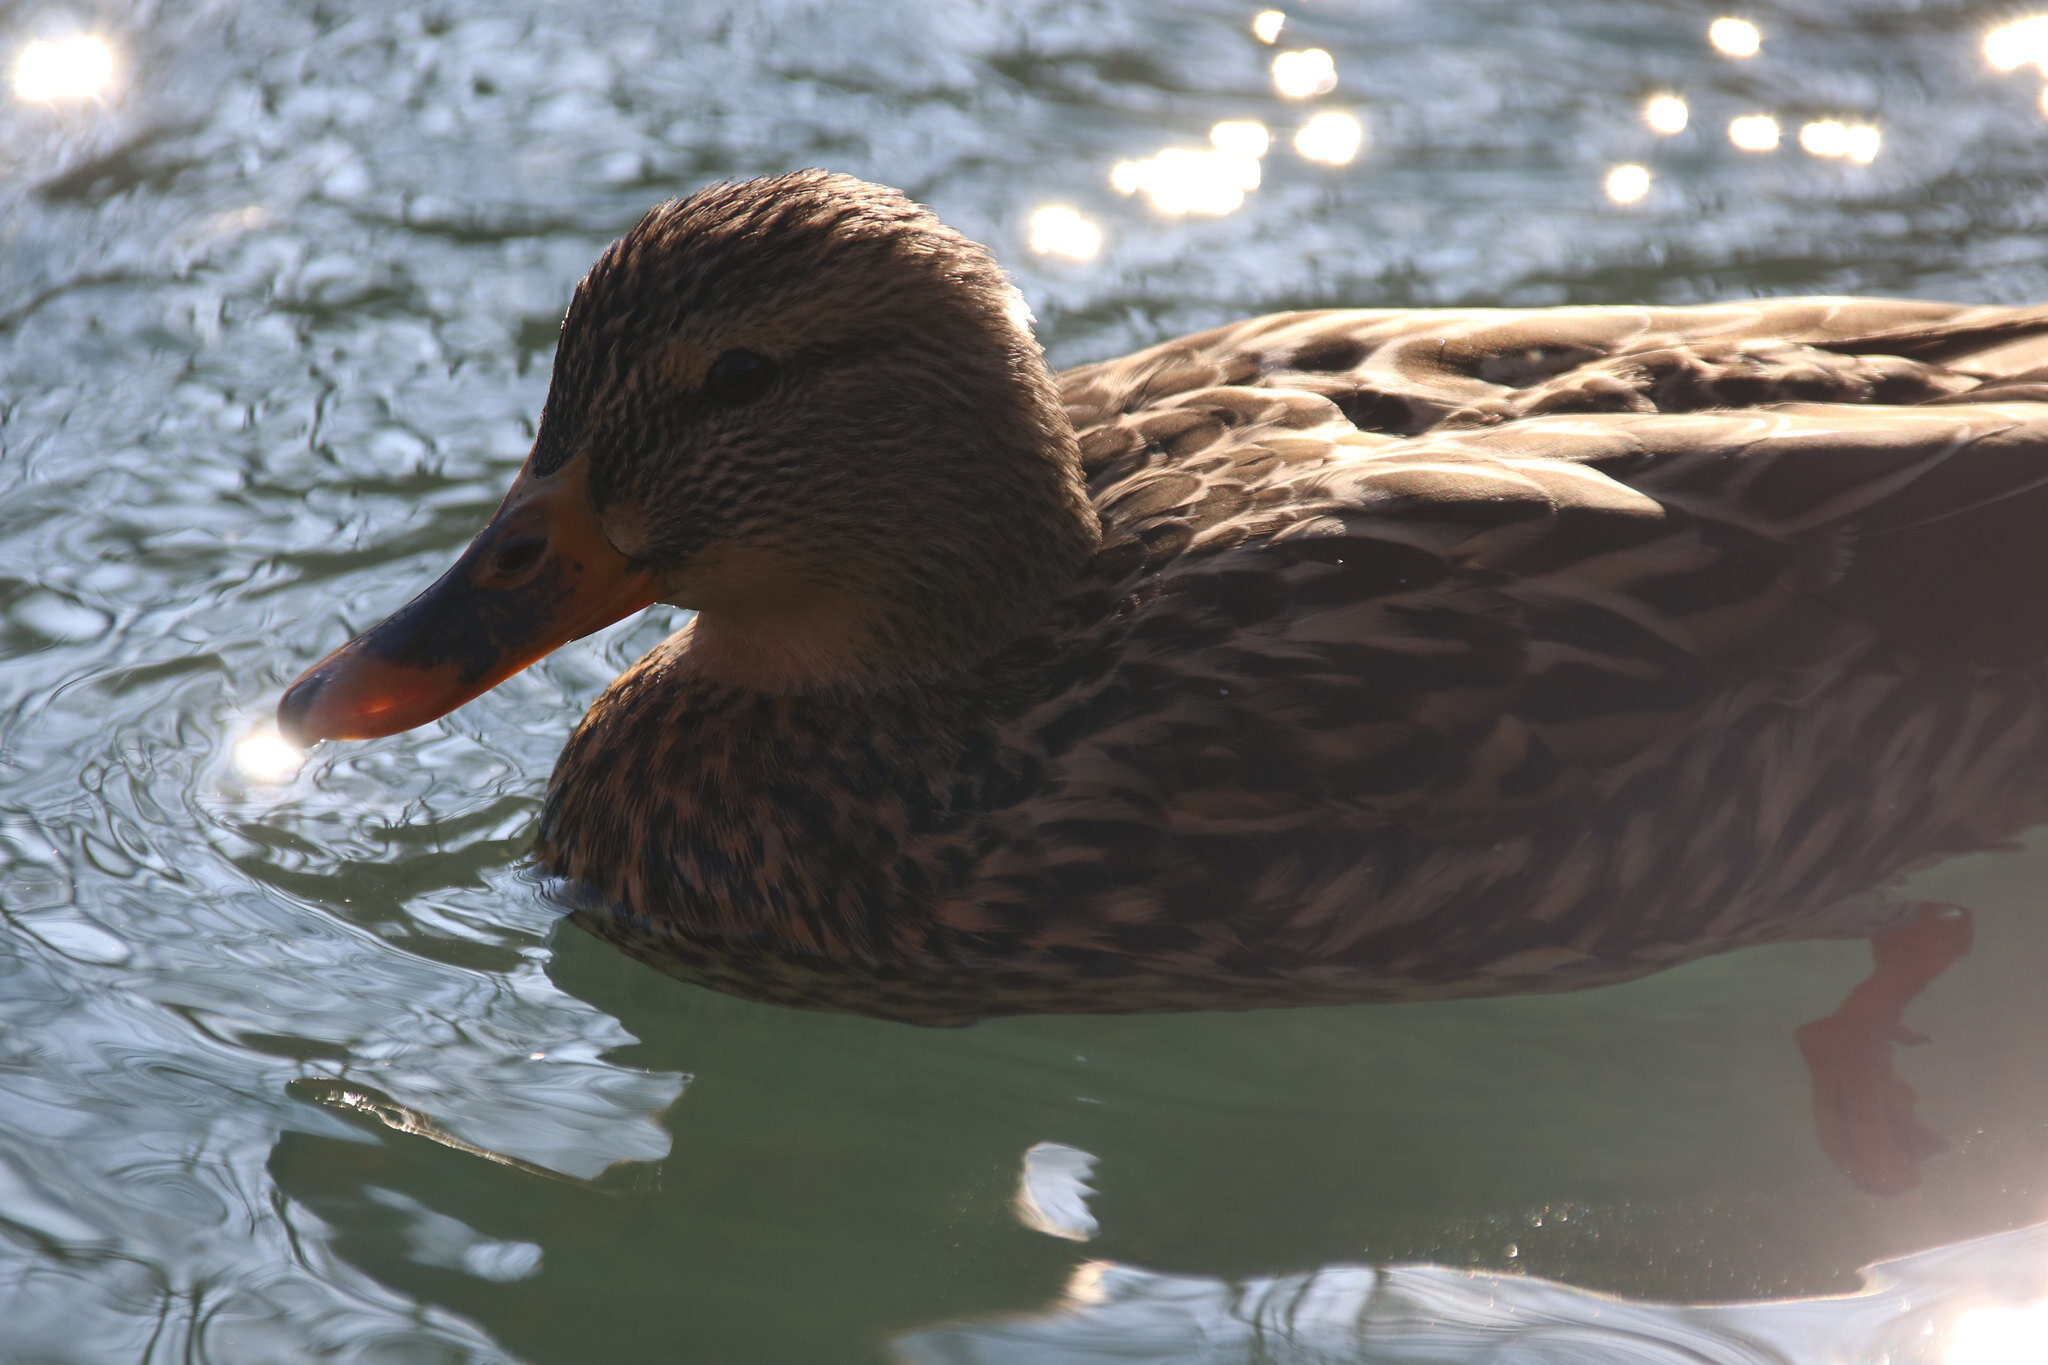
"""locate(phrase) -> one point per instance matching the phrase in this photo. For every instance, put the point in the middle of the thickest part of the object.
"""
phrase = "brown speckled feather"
(1424, 653)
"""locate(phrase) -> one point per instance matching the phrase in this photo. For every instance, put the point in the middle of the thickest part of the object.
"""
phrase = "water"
(305, 1070)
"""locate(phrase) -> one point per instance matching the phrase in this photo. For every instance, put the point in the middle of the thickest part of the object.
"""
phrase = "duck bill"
(540, 575)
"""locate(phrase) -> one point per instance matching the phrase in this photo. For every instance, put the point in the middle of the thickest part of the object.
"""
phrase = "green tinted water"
(305, 1070)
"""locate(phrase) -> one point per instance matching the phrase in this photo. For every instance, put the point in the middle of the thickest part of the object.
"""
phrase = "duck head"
(802, 407)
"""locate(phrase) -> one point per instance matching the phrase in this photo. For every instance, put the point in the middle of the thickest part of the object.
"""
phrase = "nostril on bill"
(517, 556)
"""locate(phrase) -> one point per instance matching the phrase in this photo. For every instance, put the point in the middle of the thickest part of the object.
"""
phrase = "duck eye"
(738, 377)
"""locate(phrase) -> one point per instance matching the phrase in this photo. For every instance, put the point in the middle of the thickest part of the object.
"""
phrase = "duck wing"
(1491, 616)
(1406, 372)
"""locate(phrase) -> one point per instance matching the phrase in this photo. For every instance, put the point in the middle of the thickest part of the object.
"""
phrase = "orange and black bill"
(540, 575)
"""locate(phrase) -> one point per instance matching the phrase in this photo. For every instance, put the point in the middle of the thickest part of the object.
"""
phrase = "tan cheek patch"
(625, 526)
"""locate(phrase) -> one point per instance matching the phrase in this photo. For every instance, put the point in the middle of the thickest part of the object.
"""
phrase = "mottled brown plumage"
(1328, 656)
(1351, 655)
(1387, 654)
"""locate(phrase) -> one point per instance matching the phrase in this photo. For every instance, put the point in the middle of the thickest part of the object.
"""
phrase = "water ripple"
(275, 315)
(1925, 1309)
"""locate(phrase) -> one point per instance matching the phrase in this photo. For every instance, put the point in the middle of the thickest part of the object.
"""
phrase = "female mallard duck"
(1348, 655)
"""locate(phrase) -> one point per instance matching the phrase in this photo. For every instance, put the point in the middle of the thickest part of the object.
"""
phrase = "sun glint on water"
(1183, 180)
(1298, 75)
(2000, 1336)
(1831, 137)
(1331, 137)
(264, 755)
(1241, 137)
(70, 68)
(1666, 114)
(2023, 42)
(1754, 132)
(1060, 231)
(1627, 183)
(1735, 37)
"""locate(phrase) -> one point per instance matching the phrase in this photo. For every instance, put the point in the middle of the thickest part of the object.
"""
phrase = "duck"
(1374, 654)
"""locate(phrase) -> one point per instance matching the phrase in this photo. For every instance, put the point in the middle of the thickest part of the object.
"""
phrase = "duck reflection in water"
(1347, 655)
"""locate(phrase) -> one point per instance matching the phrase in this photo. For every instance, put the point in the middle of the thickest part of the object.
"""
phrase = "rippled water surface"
(305, 1070)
